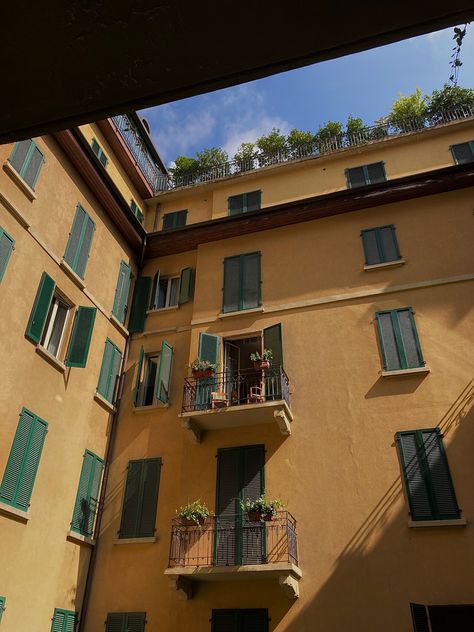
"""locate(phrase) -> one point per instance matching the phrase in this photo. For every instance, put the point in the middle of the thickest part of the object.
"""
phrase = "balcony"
(236, 398)
(231, 548)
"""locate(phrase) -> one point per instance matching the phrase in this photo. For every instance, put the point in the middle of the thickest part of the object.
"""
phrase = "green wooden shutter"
(64, 621)
(399, 339)
(380, 244)
(119, 309)
(224, 621)
(252, 486)
(85, 246)
(79, 242)
(116, 364)
(135, 622)
(253, 201)
(355, 177)
(19, 154)
(227, 507)
(168, 221)
(140, 500)
(388, 243)
(23, 461)
(375, 173)
(155, 290)
(371, 246)
(419, 617)
(81, 337)
(2, 606)
(409, 339)
(231, 294)
(85, 507)
(440, 482)
(463, 152)
(209, 348)
(250, 280)
(181, 218)
(103, 387)
(150, 486)
(136, 391)
(39, 313)
(186, 285)
(125, 622)
(273, 339)
(164, 374)
(115, 622)
(131, 503)
(240, 620)
(6, 248)
(139, 305)
(235, 204)
(27, 159)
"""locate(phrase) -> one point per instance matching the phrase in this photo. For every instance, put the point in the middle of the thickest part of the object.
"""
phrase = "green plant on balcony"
(261, 509)
(203, 368)
(192, 514)
(447, 99)
(262, 361)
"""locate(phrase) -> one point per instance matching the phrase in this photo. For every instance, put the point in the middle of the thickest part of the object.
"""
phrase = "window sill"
(398, 373)
(134, 540)
(241, 312)
(105, 403)
(72, 275)
(123, 330)
(57, 364)
(78, 538)
(151, 408)
(455, 522)
(18, 180)
(162, 309)
(20, 218)
(13, 512)
(387, 264)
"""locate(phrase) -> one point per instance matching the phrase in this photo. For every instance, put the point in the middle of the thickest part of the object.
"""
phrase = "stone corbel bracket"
(283, 421)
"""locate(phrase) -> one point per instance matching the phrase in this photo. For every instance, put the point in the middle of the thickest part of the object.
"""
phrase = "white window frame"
(169, 285)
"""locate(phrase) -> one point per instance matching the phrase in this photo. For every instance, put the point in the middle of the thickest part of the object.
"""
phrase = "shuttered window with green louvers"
(22, 466)
(87, 499)
(119, 309)
(141, 293)
(99, 152)
(125, 622)
(240, 620)
(380, 244)
(64, 621)
(244, 203)
(27, 160)
(79, 242)
(463, 152)
(81, 337)
(110, 371)
(175, 220)
(7, 245)
(141, 498)
(399, 340)
(39, 313)
(136, 211)
(428, 480)
(242, 282)
(366, 174)
(419, 617)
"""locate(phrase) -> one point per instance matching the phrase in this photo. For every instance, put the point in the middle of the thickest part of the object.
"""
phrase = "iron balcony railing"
(235, 388)
(132, 137)
(315, 148)
(233, 540)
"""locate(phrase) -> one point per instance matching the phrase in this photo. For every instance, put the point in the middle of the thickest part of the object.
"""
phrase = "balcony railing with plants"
(315, 148)
(235, 388)
(233, 540)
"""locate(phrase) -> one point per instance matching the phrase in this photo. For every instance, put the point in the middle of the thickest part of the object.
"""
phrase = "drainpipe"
(107, 461)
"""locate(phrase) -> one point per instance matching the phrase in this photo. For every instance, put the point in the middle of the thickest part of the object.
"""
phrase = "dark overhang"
(170, 242)
(67, 63)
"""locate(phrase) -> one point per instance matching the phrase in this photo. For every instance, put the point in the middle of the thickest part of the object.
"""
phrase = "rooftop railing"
(313, 149)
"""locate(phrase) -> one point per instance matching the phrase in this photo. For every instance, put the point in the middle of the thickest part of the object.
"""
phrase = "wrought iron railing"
(315, 148)
(133, 138)
(233, 540)
(235, 388)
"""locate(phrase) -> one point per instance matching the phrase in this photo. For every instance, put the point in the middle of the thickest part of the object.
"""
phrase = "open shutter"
(136, 391)
(81, 337)
(444, 497)
(85, 246)
(231, 300)
(115, 622)
(39, 313)
(272, 339)
(80, 517)
(95, 480)
(2, 606)
(252, 486)
(250, 289)
(209, 347)
(164, 375)
(30, 463)
(16, 459)
(70, 256)
(139, 305)
(150, 484)
(416, 487)
(119, 309)
(419, 617)
(116, 364)
(131, 503)
(103, 386)
(6, 249)
(186, 285)
(155, 290)
(227, 518)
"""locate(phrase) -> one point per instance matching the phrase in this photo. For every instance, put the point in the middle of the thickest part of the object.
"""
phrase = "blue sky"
(362, 85)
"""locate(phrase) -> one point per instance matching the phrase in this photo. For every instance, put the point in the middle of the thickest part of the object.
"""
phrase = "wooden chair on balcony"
(219, 399)
(256, 395)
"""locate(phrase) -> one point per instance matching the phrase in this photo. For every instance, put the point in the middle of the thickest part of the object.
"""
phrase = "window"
(110, 371)
(428, 482)
(244, 203)
(64, 621)
(399, 339)
(242, 282)
(85, 507)
(164, 292)
(99, 152)
(136, 211)
(380, 245)
(125, 622)
(119, 309)
(442, 618)
(79, 242)
(141, 498)
(174, 220)
(6, 248)
(153, 376)
(20, 473)
(366, 174)
(240, 620)
(2, 606)
(463, 152)
(47, 322)
(27, 160)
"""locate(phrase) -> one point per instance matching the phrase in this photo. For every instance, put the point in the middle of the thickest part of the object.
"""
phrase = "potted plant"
(202, 369)
(262, 361)
(261, 509)
(193, 514)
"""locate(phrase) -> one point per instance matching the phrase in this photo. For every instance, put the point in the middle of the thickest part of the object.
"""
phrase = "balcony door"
(240, 476)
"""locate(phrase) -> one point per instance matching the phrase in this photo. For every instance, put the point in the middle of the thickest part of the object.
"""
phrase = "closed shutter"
(128, 526)
(150, 485)
(81, 337)
(119, 309)
(419, 617)
(240, 620)
(231, 284)
(251, 281)
(186, 285)
(85, 507)
(254, 620)
(253, 201)
(164, 375)
(39, 313)
(371, 248)
(235, 204)
(181, 218)
(83, 254)
(135, 622)
(388, 342)
(6, 248)
(168, 221)
(389, 244)
(79, 242)
(417, 490)
(27, 159)
(463, 152)
(444, 497)
(227, 512)
(139, 305)
(355, 177)
(22, 465)
(136, 392)
(141, 497)
(224, 621)
(376, 173)
(71, 621)
(115, 622)
(252, 486)
(411, 349)
(19, 154)
(31, 172)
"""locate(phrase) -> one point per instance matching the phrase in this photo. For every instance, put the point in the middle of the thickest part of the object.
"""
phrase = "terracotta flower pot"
(259, 365)
(186, 522)
(256, 516)
(201, 375)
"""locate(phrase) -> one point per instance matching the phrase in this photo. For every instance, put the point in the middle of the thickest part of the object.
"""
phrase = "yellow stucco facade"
(331, 444)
